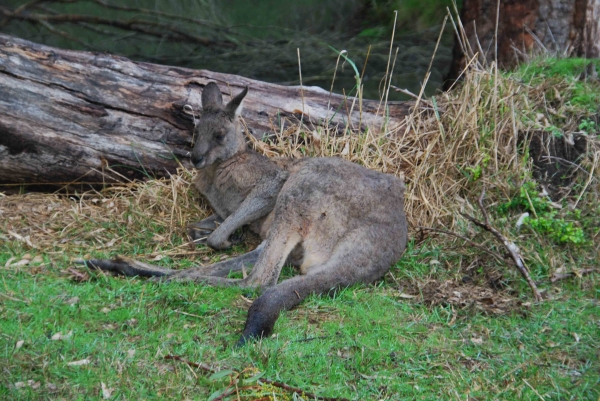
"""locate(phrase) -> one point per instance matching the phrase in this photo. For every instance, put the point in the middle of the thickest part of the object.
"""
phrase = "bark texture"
(569, 27)
(66, 115)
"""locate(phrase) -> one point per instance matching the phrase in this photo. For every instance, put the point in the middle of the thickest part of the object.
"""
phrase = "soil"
(556, 159)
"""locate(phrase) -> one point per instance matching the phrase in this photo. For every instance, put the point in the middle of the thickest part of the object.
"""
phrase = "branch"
(155, 13)
(156, 29)
(473, 243)
(513, 250)
(578, 273)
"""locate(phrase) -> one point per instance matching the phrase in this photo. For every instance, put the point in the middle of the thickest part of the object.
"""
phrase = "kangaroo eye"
(220, 137)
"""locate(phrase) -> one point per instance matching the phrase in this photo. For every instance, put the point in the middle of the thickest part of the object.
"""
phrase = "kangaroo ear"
(233, 108)
(211, 97)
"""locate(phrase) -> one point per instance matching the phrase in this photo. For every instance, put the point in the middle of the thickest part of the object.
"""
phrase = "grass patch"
(366, 342)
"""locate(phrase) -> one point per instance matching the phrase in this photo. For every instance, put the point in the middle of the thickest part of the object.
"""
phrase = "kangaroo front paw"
(217, 243)
(199, 232)
(198, 235)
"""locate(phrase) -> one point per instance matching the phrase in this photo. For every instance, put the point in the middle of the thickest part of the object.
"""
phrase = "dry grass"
(451, 146)
(109, 220)
(447, 150)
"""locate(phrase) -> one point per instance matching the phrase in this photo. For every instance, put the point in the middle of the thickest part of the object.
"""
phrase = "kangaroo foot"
(126, 267)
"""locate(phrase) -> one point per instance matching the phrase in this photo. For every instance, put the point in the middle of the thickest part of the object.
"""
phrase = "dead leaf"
(22, 262)
(33, 384)
(131, 353)
(111, 242)
(106, 392)
(72, 301)
(247, 301)
(346, 150)
(79, 363)
(25, 239)
(77, 275)
(158, 238)
(59, 336)
(406, 296)
(105, 310)
(477, 340)
(19, 344)
(316, 137)
(576, 336)
(29, 383)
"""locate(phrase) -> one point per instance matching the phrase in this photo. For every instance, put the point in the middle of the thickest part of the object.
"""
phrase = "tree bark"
(591, 33)
(565, 27)
(67, 115)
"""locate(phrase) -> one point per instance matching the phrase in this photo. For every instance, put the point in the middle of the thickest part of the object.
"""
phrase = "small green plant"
(588, 126)
(474, 173)
(555, 131)
(528, 200)
(559, 230)
(545, 220)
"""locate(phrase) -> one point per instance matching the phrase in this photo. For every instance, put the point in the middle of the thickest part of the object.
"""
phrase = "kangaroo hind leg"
(347, 265)
(131, 268)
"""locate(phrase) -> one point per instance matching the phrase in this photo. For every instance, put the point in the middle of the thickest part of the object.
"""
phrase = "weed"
(588, 126)
(545, 220)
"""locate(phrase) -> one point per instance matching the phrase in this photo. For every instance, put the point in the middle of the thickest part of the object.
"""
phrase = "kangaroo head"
(218, 136)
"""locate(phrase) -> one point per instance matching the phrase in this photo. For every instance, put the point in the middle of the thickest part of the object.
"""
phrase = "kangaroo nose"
(196, 160)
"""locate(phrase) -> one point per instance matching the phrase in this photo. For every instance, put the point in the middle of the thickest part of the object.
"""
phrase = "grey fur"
(338, 222)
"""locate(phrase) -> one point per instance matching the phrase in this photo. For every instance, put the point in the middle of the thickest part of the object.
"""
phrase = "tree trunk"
(569, 27)
(66, 115)
(591, 33)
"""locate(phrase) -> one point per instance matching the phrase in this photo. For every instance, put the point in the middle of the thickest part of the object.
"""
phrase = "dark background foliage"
(256, 39)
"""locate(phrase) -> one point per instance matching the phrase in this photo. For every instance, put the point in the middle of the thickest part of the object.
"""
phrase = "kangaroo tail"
(266, 309)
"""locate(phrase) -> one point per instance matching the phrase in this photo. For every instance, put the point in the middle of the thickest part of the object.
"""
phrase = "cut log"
(67, 115)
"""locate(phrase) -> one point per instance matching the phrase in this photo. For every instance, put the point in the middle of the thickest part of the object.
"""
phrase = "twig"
(201, 366)
(409, 93)
(475, 244)
(513, 250)
(561, 276)
(561, 160)
(284, 386)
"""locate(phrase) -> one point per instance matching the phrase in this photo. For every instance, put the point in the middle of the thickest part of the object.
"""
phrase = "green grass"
(364, 343)
(581, 93)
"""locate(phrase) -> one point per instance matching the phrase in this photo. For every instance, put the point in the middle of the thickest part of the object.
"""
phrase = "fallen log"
(67, 115)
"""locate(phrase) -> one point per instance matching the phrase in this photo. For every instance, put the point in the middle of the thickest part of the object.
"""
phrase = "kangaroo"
(338, 222)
